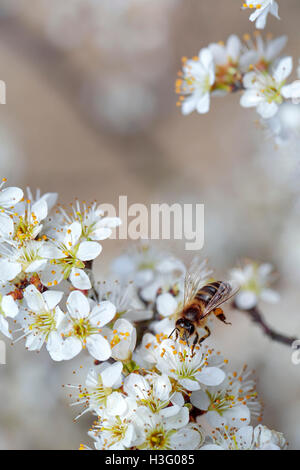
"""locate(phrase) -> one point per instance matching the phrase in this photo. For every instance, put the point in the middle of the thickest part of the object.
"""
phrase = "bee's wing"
(226, 290)
(195, 278)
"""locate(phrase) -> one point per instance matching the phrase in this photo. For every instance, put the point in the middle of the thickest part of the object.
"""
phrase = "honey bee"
(200, 301)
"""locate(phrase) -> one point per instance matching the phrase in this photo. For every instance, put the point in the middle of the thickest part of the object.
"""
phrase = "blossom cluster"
(168, 395)
(44, 264)
(145, 388)
(163, 406)
(253, 67)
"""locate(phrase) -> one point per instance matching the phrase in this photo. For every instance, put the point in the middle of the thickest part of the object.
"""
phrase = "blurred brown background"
(91, 114)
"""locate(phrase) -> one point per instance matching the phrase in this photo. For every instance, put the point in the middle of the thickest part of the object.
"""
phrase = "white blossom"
(196, 82)
(95, 226)
(254, 279)
(232, 403)
(82, 328)
(189, 369)
(27, 219)
(41, 319)
(67, 256)
(16, 259)
(167, 429)
(265, 91)
(262, 9)
(99, 393)
(153, 391)
(116, 431)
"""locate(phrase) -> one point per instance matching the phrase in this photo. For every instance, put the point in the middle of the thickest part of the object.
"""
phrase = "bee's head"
(185, 328)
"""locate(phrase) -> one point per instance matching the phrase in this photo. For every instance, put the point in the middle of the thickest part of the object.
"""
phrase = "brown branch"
(258, 318)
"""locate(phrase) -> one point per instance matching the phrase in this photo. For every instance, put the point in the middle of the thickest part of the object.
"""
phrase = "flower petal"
(267, 110)
(178, 420)
(187, 438)
(103, 313)
(116, 405)
(50, 199)
(291, 91)
(189, 104)
(71, 347)
(261, 19)
(9, 270)
(52, 298)
(78, 305)
(98, 347)
(80, 279)
(10, 197)
(136, 386)
(245, 299)
(88, 251)
(101, 233)
(111, 374)
(73, 234)
(9, 306)
(166, 304)
(211, 376)
(283, 69)
(6, 225)
(52, 275)
(200, 400)
(36, 266)
(40, 210)
(4, 327)
(233, 47)
(34, 299)
(177, 399)
(111, 222)
(238, 416)
(269, 295)
(50, 251)
(274, 47)
(55, 346)
(189, 384)
(203, 103)
(126, 339)
(250, 98)
(34, 342)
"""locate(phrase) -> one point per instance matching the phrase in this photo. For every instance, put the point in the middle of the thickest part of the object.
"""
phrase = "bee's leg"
(196, 340)
(218, 312)
(205, 336)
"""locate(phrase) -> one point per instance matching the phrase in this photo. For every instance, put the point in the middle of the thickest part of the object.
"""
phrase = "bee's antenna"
(175, 329)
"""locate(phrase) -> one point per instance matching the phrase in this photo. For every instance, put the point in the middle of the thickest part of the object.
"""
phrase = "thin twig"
(257, 317)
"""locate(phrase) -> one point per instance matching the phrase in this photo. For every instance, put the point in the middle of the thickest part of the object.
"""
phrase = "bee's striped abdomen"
(207, 292)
